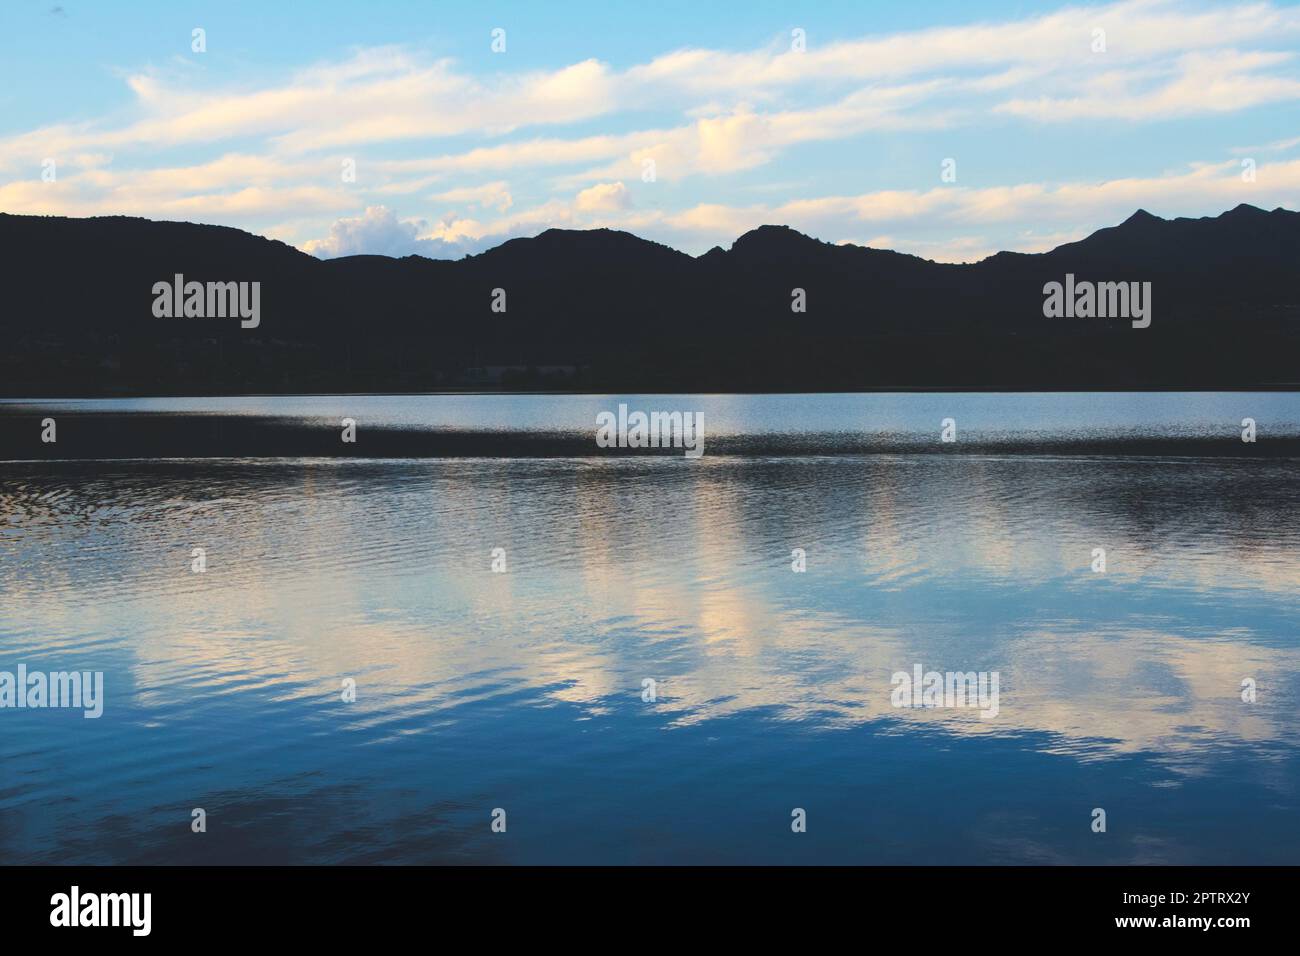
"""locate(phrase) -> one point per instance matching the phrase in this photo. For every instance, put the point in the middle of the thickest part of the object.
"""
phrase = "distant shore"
(1041, 389)
(158, 435)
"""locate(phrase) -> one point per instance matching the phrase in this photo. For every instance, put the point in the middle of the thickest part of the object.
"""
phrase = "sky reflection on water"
(523, 690)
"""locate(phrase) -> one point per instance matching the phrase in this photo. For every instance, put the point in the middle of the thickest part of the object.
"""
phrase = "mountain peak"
(554, 246)
(770, 240)
(773, 233)
(1141, 217)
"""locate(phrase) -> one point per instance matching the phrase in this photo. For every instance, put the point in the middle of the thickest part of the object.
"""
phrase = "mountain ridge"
(1139, 216)
(608, 310)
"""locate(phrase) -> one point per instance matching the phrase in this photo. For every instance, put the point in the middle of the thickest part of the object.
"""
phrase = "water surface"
(523, 690)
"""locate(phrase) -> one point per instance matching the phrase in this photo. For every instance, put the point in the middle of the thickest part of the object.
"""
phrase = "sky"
(950, 130)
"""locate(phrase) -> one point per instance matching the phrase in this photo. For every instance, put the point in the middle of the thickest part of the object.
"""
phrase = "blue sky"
(687, 123)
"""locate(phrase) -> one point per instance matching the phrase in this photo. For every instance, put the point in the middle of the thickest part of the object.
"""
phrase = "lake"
(615, 650)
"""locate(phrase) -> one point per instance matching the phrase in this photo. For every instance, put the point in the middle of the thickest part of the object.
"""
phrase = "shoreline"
(107, 436)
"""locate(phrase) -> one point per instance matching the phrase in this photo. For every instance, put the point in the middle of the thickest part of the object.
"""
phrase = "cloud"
(389, 94)
(603, 197)
(1079, 207)
(489, 195)
(1220, 82)
(1051, 43)
(943, 223)
(438, 140)
(247, 208)
(378, 232)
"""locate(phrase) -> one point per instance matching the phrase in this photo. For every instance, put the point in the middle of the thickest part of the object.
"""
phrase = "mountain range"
(602, 310)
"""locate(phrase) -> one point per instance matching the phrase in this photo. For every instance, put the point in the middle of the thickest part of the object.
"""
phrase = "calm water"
(523, 690)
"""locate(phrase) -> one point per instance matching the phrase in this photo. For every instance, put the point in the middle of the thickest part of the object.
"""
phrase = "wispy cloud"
(469, 155)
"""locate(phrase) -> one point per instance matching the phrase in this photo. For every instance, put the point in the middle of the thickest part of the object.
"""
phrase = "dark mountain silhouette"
(605, 310)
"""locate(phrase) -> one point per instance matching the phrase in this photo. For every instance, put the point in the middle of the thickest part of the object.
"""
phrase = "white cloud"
(489, 196)
(376, 232)
(1277, 146)
(389, 94)
(1220, 82)
(603, 197)
(958, 214)
(273, 151)
(249, 207)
